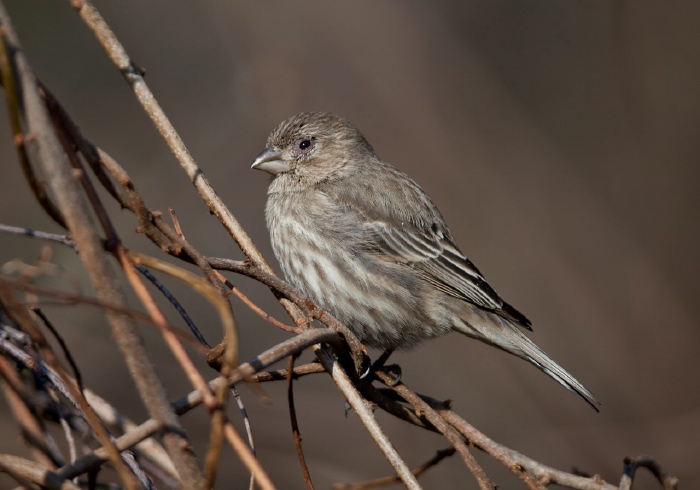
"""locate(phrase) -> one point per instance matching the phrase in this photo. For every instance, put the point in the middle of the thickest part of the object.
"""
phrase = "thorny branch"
(41, 390)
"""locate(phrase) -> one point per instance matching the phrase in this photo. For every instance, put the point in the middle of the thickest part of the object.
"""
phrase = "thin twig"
(32, 429)
(359, 405)
(63, 384)
(72, 451)
(516, 462)
(54, 237)
(248, 428)
(64, 347)
(295, 425)
(21, 316)
(216, 439)
(519, 463)
(249, 460)
(282, 374)
(215, 403)
(199, 284)
(631, 465)
(390, 480)
(303, 303)
(175, 303)
(219, 427)
(14, 106)
(25, 471)
(72, 204)
(64, 240)
(148, 448)
(94, 20)
(259, 311)
(68, 298)
(176, 223)
(448, 431)
(294, 345)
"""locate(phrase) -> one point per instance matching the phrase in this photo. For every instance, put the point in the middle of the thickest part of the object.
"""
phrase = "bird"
(361, 239)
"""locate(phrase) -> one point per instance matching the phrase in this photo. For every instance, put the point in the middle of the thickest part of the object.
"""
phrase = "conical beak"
(270, 161)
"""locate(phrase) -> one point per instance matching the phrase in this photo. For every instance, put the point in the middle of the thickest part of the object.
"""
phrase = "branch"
(390, 480)
(295, 425)
(294, 345)
(517, 462)
(631, 465)
(25, 471)
(359, 405)
(421, 407)
(73, 205)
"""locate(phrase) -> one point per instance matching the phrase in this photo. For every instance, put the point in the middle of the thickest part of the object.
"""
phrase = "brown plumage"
(362, 239)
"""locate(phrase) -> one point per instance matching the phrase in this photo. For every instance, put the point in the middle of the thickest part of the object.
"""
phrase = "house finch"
(365, 242)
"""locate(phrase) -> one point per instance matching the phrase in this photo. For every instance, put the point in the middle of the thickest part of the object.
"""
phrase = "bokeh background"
(559, 139)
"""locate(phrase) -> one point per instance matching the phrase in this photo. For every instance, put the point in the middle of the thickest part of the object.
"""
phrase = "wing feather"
(413, 234)
(439, 261)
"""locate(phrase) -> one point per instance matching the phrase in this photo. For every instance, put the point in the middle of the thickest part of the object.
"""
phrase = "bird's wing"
(438, 259)
(435, 256)
(413, 234)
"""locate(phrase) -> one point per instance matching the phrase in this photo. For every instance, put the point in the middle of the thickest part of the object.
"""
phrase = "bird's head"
(311, 147)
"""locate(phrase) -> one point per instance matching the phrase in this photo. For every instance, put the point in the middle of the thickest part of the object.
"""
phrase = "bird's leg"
(394, 370)
(379, 363)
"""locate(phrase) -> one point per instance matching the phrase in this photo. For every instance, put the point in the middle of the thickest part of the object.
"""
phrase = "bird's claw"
(394, 372)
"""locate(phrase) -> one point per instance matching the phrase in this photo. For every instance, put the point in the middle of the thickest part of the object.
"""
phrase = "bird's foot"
(394, 373)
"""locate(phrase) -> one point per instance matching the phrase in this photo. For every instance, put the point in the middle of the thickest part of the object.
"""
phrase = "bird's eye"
(305, 145)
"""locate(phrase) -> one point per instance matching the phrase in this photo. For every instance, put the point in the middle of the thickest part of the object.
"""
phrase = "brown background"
(559, 139)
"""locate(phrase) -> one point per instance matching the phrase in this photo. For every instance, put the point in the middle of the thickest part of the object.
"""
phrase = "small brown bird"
(365, 242)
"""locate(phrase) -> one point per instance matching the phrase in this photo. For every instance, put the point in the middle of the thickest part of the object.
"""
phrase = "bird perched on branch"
(365, 242)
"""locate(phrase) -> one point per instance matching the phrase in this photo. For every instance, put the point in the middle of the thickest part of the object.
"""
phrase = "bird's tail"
(499, 332)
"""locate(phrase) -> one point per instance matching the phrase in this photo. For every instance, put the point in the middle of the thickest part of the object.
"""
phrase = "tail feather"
(561, 376)
(501, 333)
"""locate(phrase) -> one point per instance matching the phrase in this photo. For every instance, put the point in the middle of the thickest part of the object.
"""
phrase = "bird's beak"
(270, 161)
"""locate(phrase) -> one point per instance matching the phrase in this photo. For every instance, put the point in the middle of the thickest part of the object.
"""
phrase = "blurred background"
(559, 139)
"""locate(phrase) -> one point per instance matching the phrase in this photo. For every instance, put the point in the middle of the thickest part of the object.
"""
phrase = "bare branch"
(185, 404)
(359, 405)
(631, 464)
(425, 410)
(295, 424)
(518, 462)
(25, 471)
(149, 448)
(283, 374)
(73, 205)
(390, 480)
